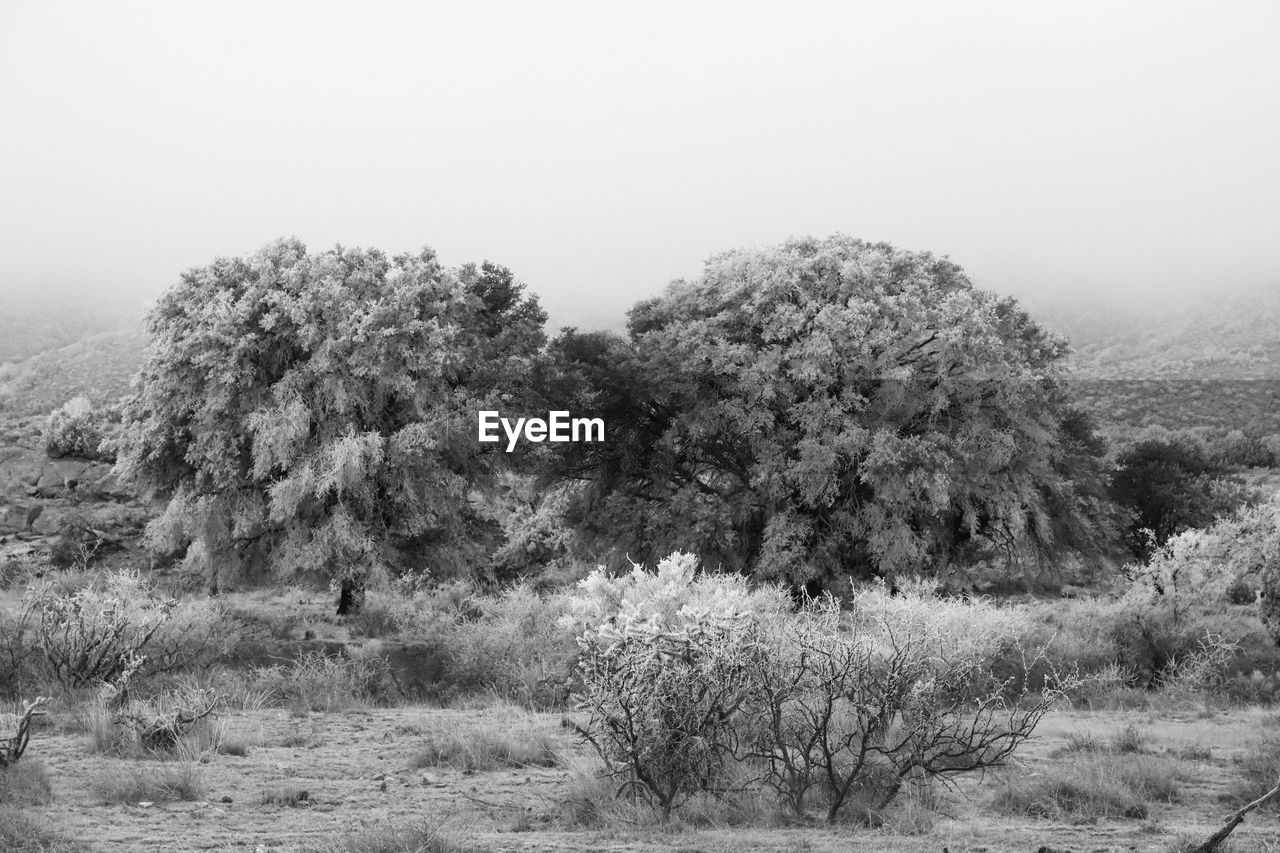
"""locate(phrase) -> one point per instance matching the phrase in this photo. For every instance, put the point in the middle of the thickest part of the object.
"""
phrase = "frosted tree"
(313, 413)
(826, 408)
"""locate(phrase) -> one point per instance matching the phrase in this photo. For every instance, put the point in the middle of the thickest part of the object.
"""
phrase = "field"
(356, 769)
(314, 767)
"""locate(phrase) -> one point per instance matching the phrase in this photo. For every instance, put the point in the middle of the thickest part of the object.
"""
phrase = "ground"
(354, 766)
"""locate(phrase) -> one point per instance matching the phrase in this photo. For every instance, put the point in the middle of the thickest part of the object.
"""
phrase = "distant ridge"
(1213, 337)
(98, 366)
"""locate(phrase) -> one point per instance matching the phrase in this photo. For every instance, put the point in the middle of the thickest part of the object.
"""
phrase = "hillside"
(1214, 361)
(1211, 362)
(1214, 337)
(31, 324)
(98, 366)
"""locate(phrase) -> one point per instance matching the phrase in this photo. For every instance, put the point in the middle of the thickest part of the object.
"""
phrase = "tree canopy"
(829, 408)
(314, 413)
(1169, 485)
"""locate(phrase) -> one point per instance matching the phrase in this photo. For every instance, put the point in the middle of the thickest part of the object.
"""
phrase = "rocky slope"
(56, 507)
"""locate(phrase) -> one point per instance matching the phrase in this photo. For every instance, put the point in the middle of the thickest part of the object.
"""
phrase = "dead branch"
(1221, 835)
(11, 748)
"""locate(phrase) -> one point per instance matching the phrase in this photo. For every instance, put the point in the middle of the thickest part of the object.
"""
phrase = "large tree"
(828, 408)
(314, 413)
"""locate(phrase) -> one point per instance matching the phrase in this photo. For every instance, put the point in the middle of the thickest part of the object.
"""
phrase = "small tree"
(1171, 485)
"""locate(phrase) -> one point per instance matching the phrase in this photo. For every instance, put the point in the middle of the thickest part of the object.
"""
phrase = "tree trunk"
(350, 596)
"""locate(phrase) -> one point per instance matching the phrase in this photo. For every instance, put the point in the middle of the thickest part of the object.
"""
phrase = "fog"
(1096, 151)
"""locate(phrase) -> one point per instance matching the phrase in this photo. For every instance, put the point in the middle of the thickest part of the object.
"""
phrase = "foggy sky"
(601, 149)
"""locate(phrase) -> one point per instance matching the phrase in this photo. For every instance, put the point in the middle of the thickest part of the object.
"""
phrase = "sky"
(1077, 151)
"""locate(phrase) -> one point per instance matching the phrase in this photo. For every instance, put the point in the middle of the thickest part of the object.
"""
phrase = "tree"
(314, 413)
(829, 408)
(1170, 485)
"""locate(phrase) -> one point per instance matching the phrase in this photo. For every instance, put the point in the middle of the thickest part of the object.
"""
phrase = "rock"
(56, 520)
(108, 487)
(62, 476)
(226, 799)
(18, 517)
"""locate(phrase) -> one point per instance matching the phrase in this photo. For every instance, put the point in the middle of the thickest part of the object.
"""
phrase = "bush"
(667, 664)
(902, 692)
(94, 635)
(698, 684)
(113, 625)
(175, 722)
(515, 648)
(77, 430)
(320, 682)
(510, 643)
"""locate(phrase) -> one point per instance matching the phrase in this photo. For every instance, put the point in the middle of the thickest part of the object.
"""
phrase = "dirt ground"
(345, 758)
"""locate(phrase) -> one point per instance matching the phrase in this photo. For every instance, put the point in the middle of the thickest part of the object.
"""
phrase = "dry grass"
(320, 682)
(26, 833)
(1092, 785)
(591, 799)
(285, 795)
(418, 837)
(485, 748)
(150, 785)
(25, 784)
(1259, 772)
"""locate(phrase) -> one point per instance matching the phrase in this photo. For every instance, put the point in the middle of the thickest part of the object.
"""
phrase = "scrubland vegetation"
(851, 562)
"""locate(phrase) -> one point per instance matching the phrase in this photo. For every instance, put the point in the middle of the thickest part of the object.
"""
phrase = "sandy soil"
(354, 767)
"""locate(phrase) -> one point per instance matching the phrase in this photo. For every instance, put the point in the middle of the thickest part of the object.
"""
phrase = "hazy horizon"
(1123, 154)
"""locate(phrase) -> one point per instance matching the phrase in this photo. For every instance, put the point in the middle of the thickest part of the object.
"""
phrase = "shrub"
(699, 684)
(666, 670)
(319, 682)
(98, 632)
(77, 430)
(509, 643)
(175, 722)
(1269, 601)
(515, 648)
(901, 692)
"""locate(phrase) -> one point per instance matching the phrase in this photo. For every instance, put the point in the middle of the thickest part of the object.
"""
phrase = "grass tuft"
(167, 783)
(25, 784)
(1090, 786)
(23, 833)
(1259, 772)
(397, 838)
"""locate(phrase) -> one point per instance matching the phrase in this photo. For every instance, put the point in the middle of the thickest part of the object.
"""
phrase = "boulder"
(108, 487)
(18, 517)
(59, 477)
